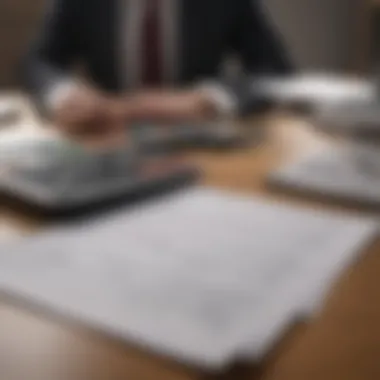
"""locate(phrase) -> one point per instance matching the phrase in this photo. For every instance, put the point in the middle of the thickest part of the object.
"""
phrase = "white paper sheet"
(202, 276)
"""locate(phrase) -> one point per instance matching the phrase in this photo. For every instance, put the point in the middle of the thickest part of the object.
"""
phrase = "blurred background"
(333, 35)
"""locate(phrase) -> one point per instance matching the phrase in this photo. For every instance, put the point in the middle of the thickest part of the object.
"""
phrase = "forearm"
(166, 107)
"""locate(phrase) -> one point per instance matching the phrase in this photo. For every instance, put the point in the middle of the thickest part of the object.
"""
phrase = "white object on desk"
(10, 113)
(330, 173)
(19, 145)
(316, 89)
(37, 150)
(350, 116)
(7, 232)
(203, 276)
(15, 109)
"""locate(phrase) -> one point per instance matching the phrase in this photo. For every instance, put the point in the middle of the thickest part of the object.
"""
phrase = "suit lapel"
(185, 47)
(195, 26)
(115, 37)
(103, 47)
(204, 32)
(131, 40)
(117, 41)
(172, 39)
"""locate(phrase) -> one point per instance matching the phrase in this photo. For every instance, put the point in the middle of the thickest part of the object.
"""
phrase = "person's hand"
(111, 136)
(180, 106)
(170, 106)
(82, 105)
(89, 116)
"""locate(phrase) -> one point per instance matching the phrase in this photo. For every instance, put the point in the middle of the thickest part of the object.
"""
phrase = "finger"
(76, 116)
(112, 136)
(99, 136)
(74, 125)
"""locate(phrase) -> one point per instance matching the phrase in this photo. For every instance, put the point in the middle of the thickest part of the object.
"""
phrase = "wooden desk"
(343, 343)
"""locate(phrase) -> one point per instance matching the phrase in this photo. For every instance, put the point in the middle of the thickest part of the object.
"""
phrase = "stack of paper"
(316, 89)
(204, 276)
(330, 173)
(351, 116)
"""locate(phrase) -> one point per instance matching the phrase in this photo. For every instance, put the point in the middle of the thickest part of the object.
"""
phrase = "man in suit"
(147, 59)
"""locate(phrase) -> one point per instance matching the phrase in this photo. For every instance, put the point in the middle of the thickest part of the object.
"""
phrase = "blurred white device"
(315, 89)
(358, 124)
(332, 173)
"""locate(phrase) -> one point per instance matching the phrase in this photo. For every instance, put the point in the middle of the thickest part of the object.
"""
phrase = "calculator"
(213, 135)
(58, 175)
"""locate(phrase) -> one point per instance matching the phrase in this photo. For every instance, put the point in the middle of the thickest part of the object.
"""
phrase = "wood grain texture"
(342, 343)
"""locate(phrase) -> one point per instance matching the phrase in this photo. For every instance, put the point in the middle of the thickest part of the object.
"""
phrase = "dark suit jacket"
(87, 31)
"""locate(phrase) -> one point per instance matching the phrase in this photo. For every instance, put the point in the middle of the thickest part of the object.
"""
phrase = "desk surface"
(343, 343)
